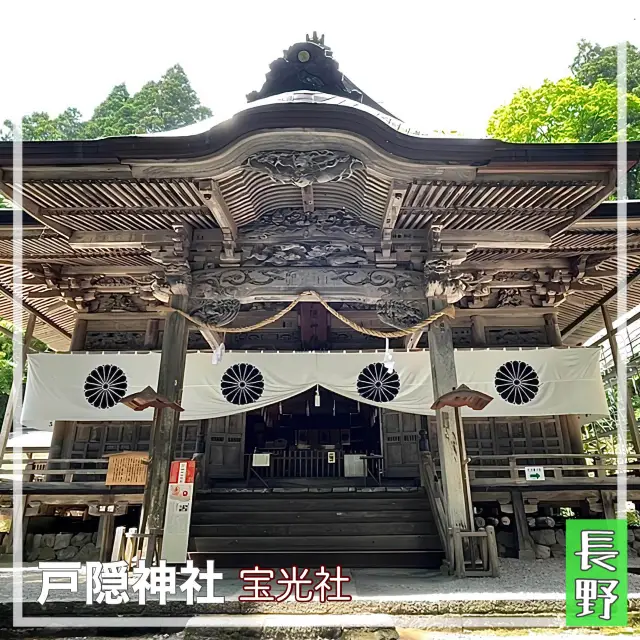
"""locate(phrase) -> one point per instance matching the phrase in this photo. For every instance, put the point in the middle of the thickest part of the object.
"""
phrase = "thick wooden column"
(478, 335)
(632, 424)
(151, 334)
(165, 421)
(450, 441)
(554, 337)
(61, 428)
(574, 434)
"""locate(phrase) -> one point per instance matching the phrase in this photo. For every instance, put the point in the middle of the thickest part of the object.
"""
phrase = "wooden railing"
(467, 553)
(431, 482)
(475, 553)
(303, 463)
(559, 468)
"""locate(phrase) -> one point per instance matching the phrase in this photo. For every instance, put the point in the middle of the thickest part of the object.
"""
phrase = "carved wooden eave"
(309, 190)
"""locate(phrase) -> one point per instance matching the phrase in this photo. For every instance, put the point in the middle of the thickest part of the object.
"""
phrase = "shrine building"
(301, 284)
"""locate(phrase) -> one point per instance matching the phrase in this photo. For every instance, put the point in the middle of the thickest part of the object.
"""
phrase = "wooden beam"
(214, 201)
(395, 199)
(595, 308)
(604, 224)
(38, 314)
(7, 422)
(119, 239)
(308, 202)
(632, 424)
(497, 239)
(35, 211)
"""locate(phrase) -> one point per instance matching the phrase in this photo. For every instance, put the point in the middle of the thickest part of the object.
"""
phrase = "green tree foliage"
(7, 364)
(159, 106)
(564, 111)
(580, 108)
(594, 63)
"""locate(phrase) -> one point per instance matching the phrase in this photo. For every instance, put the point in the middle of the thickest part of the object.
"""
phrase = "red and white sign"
(177, 519)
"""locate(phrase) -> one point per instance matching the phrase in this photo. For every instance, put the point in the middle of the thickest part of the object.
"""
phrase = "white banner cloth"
(87, 386)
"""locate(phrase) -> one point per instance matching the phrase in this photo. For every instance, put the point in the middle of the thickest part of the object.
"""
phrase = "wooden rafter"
(31, 309)
(595, 308)
(35, 211)
(589, 205)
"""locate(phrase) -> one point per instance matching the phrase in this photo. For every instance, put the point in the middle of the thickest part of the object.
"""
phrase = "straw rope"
(304, 297)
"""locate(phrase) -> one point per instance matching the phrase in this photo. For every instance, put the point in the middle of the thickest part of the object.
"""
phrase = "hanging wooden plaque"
(127, 468)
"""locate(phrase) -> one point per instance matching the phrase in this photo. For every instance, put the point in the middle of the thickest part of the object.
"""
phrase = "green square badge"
(597, 573)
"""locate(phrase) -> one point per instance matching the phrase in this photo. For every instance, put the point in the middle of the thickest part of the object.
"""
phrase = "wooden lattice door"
(225, 446)
(400, 437)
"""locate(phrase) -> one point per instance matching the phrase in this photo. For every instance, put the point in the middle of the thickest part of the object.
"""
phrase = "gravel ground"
(543, 579)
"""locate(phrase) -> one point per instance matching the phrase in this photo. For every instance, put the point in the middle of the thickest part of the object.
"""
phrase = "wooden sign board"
(127, 468)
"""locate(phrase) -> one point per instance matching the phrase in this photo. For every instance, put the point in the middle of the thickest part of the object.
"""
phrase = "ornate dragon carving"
(399, 314)
(335, 254)
(319, 224)
(303, 168)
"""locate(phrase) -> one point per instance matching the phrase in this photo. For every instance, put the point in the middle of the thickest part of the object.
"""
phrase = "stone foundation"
(43, 547)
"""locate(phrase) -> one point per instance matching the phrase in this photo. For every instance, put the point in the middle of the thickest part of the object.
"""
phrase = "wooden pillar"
(526, 548)
(632, 424)
(478, 335)
(62, 428)
(165, 421)
(451, 449)
(9, 412)
(151, 334)
(573, 430)
(554, 337)
(106, 533)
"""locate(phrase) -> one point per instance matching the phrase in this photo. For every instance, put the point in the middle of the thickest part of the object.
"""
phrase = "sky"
(437, 66)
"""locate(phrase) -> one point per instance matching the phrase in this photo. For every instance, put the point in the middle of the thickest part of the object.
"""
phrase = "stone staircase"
(282, 528)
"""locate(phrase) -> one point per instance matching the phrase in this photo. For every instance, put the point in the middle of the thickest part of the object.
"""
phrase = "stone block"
(636, 545)
(636, 533)
(506, 538)
(630, 536)
(545, 537)
(561, 537)
(94, 537)
(48, 540)
(62, 540)
(88, 553)
(542, 551)
(545, 522)
(46, 553)
(558, 550)
(32, 555)
(81, 539)
(531, 522)
(67, 553)
(37, 540)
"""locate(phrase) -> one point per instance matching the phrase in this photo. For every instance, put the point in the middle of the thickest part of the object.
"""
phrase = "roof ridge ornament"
(307, 66)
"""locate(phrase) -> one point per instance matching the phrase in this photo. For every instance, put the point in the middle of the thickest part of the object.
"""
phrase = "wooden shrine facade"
(314, 186)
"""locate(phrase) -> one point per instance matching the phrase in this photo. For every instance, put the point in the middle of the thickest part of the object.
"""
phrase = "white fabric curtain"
(87, 387)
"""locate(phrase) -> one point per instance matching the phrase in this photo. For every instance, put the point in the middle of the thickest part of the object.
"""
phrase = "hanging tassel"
(334, 407)
(358, 407)
(280, 407)
(218, 352)
(316, 400)
(308, 413)
(388, 357)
